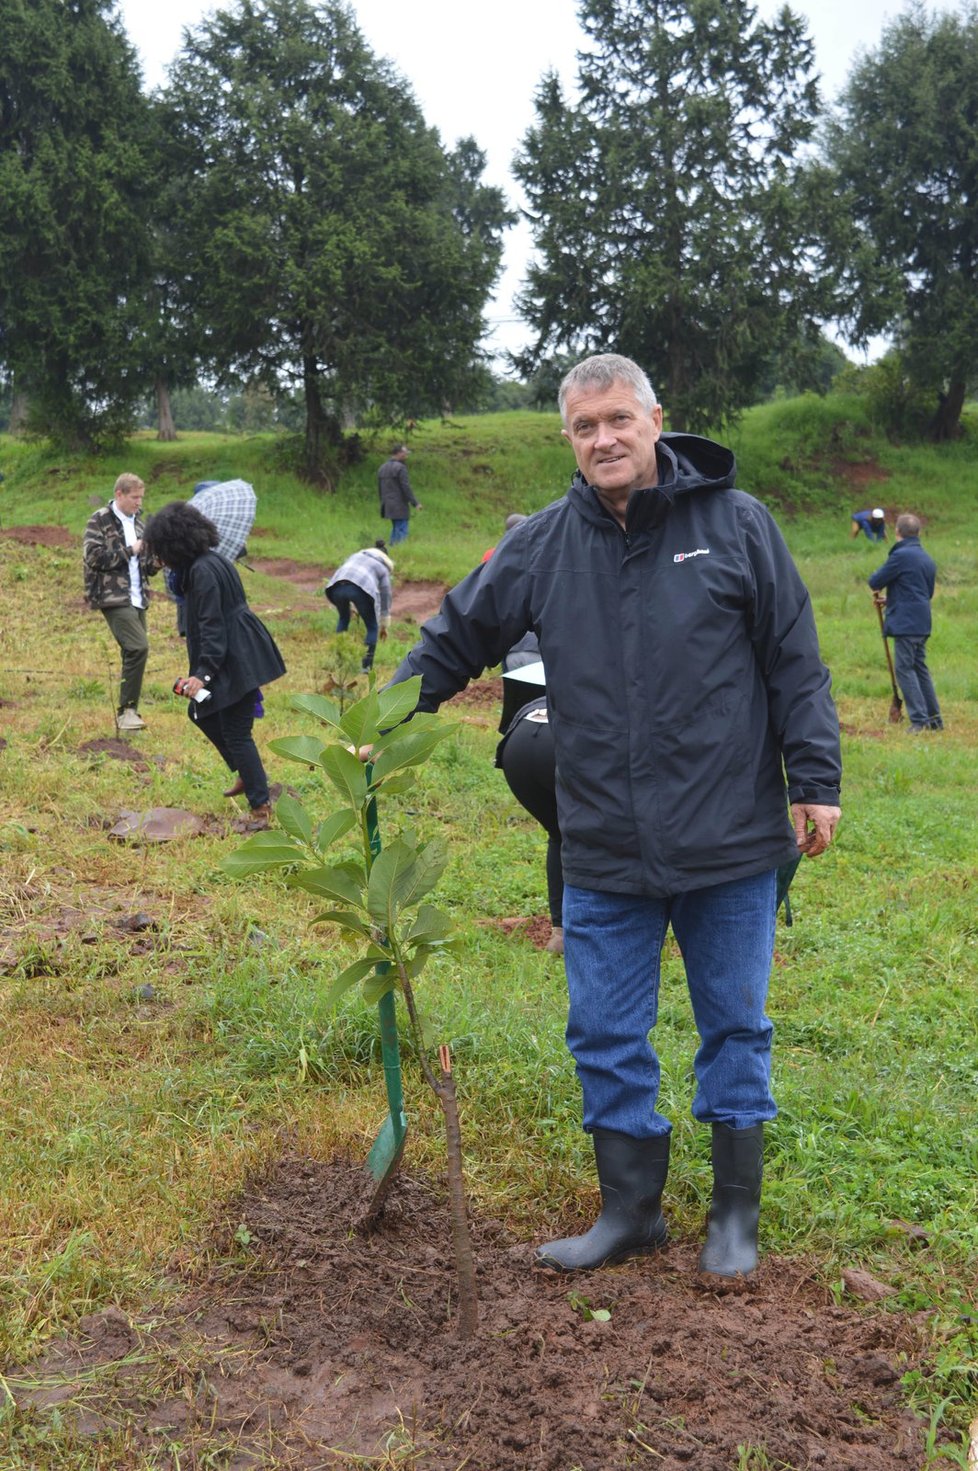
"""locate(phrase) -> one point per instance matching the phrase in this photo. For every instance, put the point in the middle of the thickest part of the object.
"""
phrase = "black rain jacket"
(684, 681)
(228, 646)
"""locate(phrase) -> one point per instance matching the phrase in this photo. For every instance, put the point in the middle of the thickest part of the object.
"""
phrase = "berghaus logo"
(685, 556)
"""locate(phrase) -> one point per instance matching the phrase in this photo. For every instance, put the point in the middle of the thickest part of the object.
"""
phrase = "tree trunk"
(18, 412)
(322, 431)
(166, 429)
(946, 423)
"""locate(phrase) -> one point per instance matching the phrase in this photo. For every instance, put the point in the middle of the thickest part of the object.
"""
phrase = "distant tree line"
(279, 222)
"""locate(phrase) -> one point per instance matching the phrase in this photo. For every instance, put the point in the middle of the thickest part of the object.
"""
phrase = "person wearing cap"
(363, 582)
(872, 523)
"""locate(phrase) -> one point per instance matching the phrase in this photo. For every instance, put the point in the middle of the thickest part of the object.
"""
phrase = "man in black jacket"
(904, 586)
(685, 690)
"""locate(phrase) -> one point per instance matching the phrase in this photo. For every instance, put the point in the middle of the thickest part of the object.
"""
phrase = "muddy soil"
(411, 601)
(313, 1344)
(40, 536)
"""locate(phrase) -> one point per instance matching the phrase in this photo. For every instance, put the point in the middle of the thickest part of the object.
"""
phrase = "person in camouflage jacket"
(117, 572)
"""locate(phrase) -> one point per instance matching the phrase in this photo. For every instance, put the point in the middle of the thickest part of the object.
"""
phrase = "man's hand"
(192, 686)
(814, 826)
(879, 598)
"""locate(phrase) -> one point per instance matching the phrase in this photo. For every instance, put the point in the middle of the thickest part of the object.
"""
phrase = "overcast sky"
(474, 71)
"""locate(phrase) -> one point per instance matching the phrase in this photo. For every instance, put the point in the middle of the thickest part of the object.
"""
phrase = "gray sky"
(474, 71)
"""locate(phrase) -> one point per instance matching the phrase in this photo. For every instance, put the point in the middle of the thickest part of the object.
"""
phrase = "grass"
(127, 1124)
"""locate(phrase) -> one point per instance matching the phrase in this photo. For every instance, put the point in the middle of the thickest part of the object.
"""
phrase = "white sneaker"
(129, 720)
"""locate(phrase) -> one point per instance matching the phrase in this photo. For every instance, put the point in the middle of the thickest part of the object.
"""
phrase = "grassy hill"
(129, 1118)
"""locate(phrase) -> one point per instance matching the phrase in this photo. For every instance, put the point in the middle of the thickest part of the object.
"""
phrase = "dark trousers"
(128, 628)
(529, 766)
(917, 687)
(230, 731)
(343, 595)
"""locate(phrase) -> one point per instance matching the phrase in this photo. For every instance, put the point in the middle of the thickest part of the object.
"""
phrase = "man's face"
(130, 501)
(613, 438)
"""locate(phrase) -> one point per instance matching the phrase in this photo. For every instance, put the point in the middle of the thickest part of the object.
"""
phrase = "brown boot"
(235, 789)
(259, 818)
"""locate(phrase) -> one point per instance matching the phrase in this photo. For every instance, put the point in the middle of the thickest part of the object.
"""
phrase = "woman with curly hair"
(230, 651)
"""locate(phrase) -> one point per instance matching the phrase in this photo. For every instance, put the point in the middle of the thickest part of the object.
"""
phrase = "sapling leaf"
(398, 702)
(343, 882)
(430, 863)
(345, 919)
(305, 749)
(335, 826)
(348, 978)
(318, 705)
(277, 851)
(386, 874)
(411, 749)
(346, 772)
(359, 723)
(378, 985)
(294, 818)
(424, 721)
(430, 924)
(393, 785)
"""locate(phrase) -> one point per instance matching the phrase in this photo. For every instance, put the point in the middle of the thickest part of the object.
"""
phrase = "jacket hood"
(686, 463)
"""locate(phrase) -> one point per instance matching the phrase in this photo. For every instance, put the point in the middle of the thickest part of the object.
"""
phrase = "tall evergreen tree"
(331, 244)
(666, 202)
(75, 172)
(905, 144)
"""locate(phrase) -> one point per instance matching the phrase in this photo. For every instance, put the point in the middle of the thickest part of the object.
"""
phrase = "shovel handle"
(886, 646)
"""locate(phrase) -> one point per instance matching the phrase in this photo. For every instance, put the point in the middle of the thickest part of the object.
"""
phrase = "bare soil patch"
(483, 693)
(533, 927)
(411, 601)
(40, 536)
(314, 1344)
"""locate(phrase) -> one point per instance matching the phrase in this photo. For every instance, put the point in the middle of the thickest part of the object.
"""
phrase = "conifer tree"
(667, 203)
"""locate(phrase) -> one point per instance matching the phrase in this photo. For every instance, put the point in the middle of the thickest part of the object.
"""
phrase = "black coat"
(228, 646)
(909, 575)
(684, 681)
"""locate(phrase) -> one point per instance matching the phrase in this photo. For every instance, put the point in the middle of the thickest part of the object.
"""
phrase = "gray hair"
(601, 372)
(908, 524)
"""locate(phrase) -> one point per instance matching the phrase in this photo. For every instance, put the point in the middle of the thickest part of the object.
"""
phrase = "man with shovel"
(908, 577)
(689, 707)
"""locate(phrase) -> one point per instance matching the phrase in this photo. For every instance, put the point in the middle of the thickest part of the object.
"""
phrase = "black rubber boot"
(632, 1174)
(731, 1235)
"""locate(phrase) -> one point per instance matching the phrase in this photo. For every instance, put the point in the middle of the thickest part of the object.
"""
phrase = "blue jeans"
(916, 685)
(344, 594)
(399, 530)
(612, 945)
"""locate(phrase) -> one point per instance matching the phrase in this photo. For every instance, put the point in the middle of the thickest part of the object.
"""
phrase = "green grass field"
(126, 1122)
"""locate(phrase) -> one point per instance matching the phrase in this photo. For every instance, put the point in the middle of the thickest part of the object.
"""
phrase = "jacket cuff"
(819, 796)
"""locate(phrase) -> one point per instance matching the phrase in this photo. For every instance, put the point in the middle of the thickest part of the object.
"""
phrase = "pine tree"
(667, 204)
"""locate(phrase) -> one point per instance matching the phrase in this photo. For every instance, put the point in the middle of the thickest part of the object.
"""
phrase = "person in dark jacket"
(908, 577)
(525, 755)
(689, 706)
(230, 651)
(117, 572)
(396, 495)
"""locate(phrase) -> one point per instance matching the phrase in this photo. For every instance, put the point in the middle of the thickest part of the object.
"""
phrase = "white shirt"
(135, 581)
